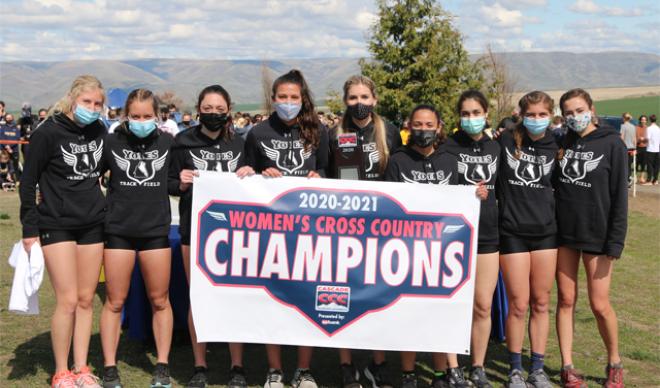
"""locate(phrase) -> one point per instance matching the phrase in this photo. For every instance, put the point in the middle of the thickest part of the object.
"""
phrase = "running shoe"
(161, 376)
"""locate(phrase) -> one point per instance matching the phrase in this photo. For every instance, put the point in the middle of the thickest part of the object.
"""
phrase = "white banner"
(333, 263)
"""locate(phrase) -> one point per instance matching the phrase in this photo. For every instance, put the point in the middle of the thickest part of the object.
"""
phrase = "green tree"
(334, 102)
(418, 57)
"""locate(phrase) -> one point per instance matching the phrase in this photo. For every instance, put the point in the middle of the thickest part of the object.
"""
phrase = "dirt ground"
(599, 94)
(647, 200)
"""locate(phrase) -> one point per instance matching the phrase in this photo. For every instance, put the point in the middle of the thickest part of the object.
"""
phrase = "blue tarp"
(116, 98)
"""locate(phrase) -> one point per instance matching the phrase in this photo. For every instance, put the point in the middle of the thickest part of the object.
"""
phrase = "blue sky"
(54, 30)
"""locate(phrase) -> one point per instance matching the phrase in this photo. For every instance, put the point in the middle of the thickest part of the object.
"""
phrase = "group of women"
(544, 206)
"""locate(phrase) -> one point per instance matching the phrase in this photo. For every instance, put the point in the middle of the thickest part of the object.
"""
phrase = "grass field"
(26, 359)
(636, 106)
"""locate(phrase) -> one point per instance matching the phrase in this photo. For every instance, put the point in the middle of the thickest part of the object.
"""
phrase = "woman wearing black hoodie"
(138, 219)
(377, 139)
(65, 161)
(528, 242)
(426, 160)
(592, 210)
(292, 142)
(209, 146)
(477, 158)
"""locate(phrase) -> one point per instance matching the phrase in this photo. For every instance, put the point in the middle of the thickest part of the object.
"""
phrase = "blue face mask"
(142, 129)
(85, 116)
(287, 111)
(474, 125)
(536, 126)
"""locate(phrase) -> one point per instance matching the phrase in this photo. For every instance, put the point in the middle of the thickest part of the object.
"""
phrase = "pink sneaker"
(85, 379)
(64, 379)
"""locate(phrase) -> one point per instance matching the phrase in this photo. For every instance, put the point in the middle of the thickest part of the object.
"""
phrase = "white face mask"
(579, 123)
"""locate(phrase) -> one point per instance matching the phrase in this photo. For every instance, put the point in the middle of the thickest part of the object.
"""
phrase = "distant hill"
(41, 83)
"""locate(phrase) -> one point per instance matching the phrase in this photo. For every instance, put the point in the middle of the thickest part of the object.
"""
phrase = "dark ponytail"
(307, 118)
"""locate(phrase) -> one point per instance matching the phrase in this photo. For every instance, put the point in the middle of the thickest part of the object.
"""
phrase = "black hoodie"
(526, 200)
(65, 161)
(367, 139)
(273, 144)
(196, 151)
(408, 165)
(591, 190)
(138, 201)
(479, 161)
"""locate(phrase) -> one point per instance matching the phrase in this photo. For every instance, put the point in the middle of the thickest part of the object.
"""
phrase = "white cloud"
(590, 7)
(500, 16)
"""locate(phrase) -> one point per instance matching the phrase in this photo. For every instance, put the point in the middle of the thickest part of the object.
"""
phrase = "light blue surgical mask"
(536, 126)
(85, 116)
(473, 125)
(287, 111)
(142, 129)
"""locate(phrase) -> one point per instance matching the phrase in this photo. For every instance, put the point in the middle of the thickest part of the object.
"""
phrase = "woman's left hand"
(313, 174)
(482, 191)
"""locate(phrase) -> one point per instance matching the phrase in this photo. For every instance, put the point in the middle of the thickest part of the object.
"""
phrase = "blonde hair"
(379, 125)
(81, 84)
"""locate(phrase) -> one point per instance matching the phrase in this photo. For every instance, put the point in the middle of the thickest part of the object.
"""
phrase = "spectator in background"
(652, 152)
(557, 129)
(26, 125)
(174, 113)
(42, 115)
(2, 112)
(186, 121)
(10, 132)
(241, 126)
(111, 119)
(167, 124)
(641, 146)
(629, 137)
(256, 119)
(405, 132)
(510, 123)
(7, 174)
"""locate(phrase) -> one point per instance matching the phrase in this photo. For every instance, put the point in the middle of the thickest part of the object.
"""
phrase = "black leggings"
(652, 165)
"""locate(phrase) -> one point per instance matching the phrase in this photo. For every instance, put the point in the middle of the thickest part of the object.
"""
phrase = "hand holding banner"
(320, 262)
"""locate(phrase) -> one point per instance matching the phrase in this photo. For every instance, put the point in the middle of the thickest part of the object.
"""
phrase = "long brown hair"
(380, 134)
(531, 98)
(307, 118)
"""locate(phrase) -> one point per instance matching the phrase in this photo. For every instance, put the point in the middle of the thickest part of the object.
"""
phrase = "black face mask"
(359, 111)
(422, 138)
(214, 122)
(186, 123)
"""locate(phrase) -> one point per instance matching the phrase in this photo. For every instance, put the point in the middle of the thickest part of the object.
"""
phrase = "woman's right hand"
(28, 242)
(272, 172)
(186, 178)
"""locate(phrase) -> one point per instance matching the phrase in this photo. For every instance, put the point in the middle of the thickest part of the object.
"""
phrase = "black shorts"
(487, 248)
(185, 240)
(84, 236)
(511, 244)
(113, 241)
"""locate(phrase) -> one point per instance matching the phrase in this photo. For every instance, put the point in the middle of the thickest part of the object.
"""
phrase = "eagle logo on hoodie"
(287, 159)
(529, 169)
(575, 165)
(140, 168)
(83, 158)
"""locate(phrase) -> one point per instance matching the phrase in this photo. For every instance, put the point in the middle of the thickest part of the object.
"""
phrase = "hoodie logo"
(83, 158)
(477, 168)
(575, 166)
(373, 156)
(437, 177)
(529, 169)
(213, 161)
(286, 158)
(140, 168)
